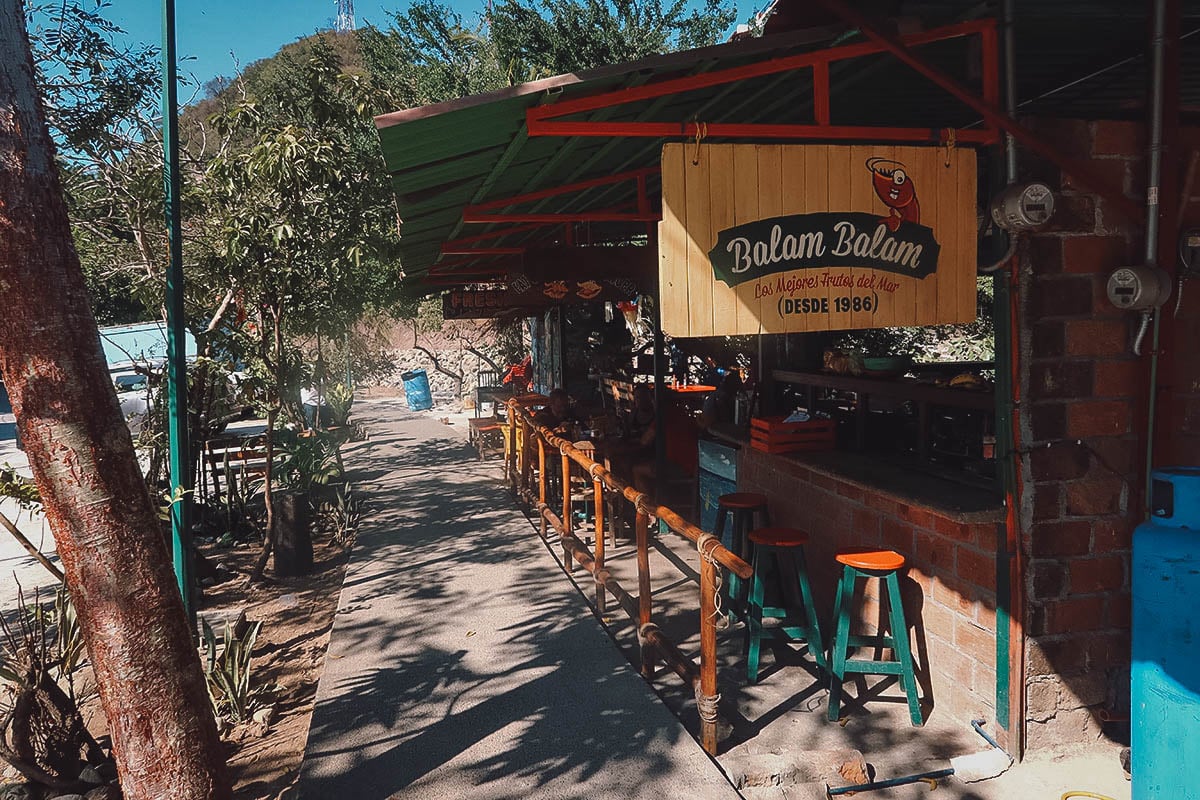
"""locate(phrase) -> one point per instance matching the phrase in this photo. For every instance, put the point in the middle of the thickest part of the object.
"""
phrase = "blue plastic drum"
(1166, 641)
(416, 390)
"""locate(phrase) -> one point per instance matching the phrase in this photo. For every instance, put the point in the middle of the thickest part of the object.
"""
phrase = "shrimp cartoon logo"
(895, 188)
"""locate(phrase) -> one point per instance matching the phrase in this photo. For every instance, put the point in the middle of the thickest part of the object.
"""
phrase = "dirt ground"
(296, 616)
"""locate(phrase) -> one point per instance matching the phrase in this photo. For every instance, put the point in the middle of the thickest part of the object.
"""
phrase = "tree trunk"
(117, 566)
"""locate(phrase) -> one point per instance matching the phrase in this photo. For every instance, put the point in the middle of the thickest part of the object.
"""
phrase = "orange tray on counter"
(773, 435)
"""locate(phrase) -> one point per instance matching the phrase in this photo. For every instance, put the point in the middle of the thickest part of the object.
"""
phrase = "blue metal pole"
(177, 422)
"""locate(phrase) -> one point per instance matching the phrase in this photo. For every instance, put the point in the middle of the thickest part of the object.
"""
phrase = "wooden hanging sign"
(793, 238)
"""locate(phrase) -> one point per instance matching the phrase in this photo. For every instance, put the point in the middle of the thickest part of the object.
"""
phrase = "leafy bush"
(339, 399)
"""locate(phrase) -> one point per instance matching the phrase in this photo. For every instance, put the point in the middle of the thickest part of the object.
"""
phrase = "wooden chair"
(488, 388)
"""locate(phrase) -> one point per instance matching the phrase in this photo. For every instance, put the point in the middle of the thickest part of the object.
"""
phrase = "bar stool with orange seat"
(884, 565)
(798, 616)
(743, 506)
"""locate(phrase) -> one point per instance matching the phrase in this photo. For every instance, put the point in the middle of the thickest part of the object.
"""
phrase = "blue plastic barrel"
(416, 389)
(1166, 641)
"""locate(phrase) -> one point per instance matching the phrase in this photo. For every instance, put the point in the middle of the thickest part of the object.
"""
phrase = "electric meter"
(1023, 206)
(1139, 288)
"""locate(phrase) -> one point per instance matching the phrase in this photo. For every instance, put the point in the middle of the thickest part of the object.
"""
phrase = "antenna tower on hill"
(345, 17)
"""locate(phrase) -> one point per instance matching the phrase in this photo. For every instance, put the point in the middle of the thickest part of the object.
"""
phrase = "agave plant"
(228, 672)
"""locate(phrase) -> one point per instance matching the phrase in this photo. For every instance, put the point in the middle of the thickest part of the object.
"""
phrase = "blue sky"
(208, 31)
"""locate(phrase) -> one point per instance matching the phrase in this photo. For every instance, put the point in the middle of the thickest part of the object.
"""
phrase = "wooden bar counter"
(947, 531)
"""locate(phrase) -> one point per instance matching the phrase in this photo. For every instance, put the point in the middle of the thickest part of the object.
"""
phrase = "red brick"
(975, 567)
(1098, 418)
(1114, 534)
(1094, 254)
(949, 527)
(922, 579)
(1071, 614)
(823, 481)
(955, 667)
(1062, 539)
(1048, 421)
(1046, 254)
(933, 551)
(884, 505)
(1061, 297)
(938, 619)
(919, 516)
(1048, 339)
(973, 640)
(1073, 213)
(1120, 611)
(1117, 379)
(1070, 137)
(1108, 650)
(985, 615)
(1118, 138)
(1092, 337)
(897, 535)
(1091, 575)
(865, 524)
(1047, 501)
(1114, 457)
(1060, 379)
(1048, 579)
(951, 594)
(1114, 172)
(984, 536)
(850, 491)
(1059, 462)
(1092, 497)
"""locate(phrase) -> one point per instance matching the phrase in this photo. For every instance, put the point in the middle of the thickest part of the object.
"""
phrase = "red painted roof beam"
(991, 114)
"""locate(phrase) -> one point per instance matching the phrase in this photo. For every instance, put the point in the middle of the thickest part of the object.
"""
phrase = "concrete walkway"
(462, 663)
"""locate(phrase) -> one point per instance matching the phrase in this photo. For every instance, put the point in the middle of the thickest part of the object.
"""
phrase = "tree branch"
(31, 548)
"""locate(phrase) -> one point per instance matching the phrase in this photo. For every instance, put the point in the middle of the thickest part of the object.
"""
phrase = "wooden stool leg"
(812, 632)
(754, 616)
(841, 615)
(903, 651)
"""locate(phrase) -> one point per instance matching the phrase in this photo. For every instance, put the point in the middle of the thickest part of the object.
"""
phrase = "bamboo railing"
(608, 489)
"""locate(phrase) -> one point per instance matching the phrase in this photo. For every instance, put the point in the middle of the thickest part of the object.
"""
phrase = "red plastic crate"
(773, 435)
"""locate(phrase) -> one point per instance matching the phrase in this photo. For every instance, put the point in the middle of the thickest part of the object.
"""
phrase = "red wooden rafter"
(490, 211)
(546, 120)
(987, 107)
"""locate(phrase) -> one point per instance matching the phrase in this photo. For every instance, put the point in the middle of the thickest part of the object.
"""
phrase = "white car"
(133, 393)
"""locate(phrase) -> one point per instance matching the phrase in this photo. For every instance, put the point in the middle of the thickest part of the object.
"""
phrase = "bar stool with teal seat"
(743, 506)
(884, 565)
(798, 617)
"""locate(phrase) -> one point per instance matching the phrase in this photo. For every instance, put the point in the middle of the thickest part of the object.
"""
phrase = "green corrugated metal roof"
(446, 156)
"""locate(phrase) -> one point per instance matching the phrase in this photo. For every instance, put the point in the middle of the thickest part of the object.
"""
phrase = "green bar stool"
(743, 506)
(799, 617)
(884, 565)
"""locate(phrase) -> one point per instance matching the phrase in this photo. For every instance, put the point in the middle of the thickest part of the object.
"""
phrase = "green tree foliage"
(551, 37)
(101, 102)
(428, 54)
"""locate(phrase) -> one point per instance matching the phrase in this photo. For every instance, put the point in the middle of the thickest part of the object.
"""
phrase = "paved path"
(463, 664)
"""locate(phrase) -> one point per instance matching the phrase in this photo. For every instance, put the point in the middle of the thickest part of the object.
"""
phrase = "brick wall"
(1080, 433)
(950, 589)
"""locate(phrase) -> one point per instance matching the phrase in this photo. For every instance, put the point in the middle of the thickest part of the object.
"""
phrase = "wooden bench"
(226, 456)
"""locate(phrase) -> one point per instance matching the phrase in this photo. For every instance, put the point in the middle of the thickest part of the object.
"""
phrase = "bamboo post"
(541, 484)
(598, 528)
(567, 521)
(643, 564)
(706, 693)
(526, 466)
(510, 452)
